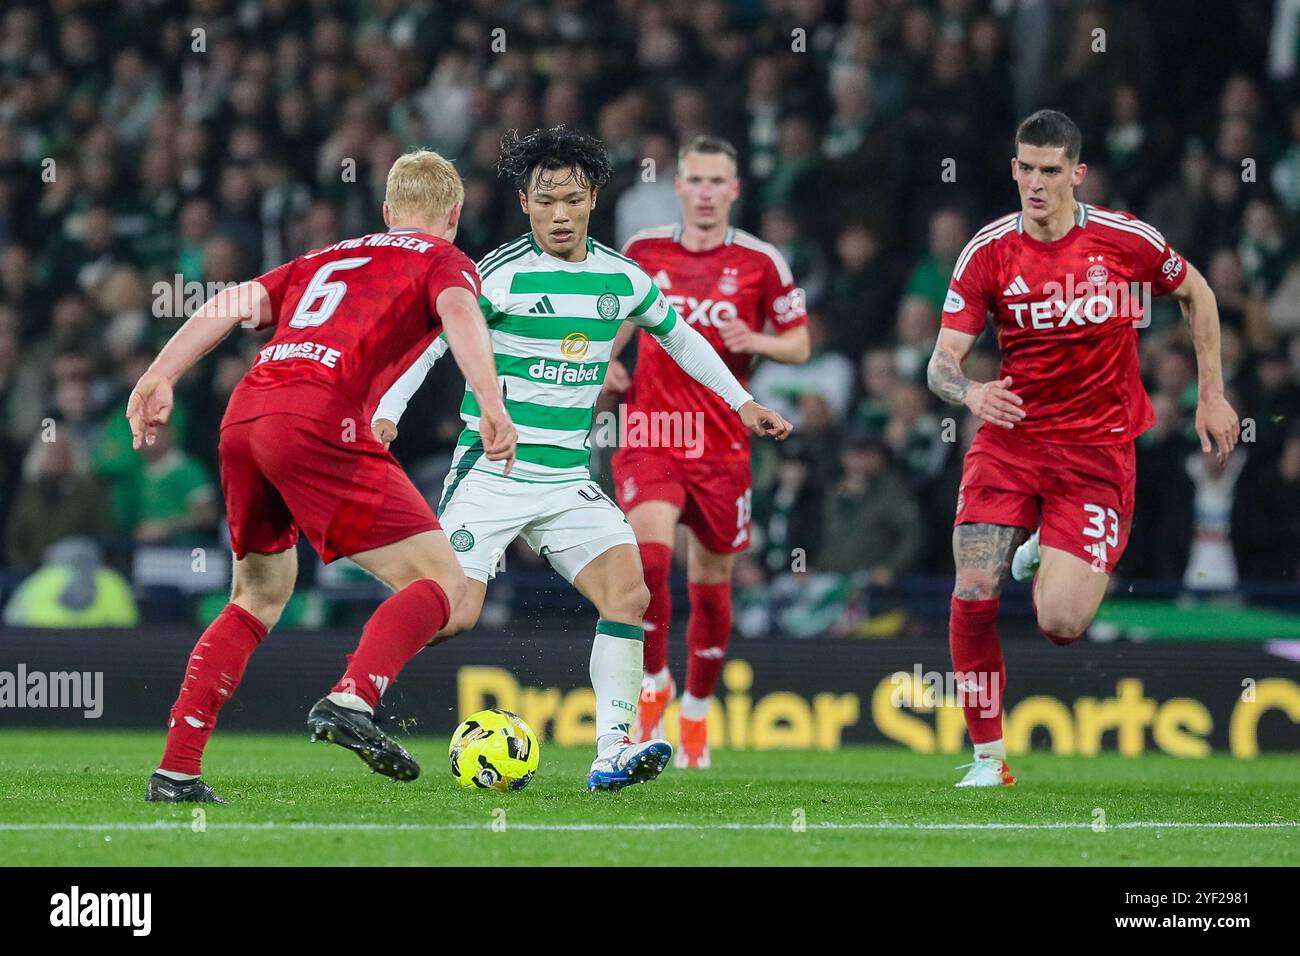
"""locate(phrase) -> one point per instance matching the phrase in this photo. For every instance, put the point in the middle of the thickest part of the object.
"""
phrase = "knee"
(463, 618)
(627, 605)
(1061, 624)
(456, 587)
(451, 580)
(264, 601)
(976, 585)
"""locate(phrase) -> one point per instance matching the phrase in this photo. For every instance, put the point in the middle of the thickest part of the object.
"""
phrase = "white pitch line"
(637, 827)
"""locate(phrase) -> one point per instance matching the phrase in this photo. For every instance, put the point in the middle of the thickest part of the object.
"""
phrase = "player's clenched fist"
(498, 433)
(764, 422)
(995, 403)
(384, 430)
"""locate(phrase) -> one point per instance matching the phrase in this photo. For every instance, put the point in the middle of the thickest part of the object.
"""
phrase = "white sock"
(177, 776)
(694, 708)
(659, 681)
(617, 660)
(350, 701)
(992, 748)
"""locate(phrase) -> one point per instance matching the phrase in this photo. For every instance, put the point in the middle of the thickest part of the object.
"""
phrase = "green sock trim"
(629, 632)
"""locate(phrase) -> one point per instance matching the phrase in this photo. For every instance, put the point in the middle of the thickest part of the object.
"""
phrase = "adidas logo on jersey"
(661, 279)
(543, 306)
(1018, 287)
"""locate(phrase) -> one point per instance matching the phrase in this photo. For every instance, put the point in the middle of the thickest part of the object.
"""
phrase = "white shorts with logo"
(569, 523)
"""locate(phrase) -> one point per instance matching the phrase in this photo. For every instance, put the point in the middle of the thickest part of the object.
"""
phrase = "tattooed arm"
(994, 402)
(944, 374)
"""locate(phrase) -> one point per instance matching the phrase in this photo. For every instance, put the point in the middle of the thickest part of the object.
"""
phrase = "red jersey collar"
(1080, 221)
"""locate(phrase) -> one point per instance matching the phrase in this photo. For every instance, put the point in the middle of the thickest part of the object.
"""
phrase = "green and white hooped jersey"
(552, 325)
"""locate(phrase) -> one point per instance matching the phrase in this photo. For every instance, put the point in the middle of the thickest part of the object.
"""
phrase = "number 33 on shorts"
(1103, 527)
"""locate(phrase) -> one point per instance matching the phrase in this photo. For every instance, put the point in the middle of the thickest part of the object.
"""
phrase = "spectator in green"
(918, 327)
(781, 227)
(869, 518)
(787, 517)
(23, 384)
(930, 276)
(119, 466)
(915, 435)
(798, 170)
(879, 378)
(197, 224)
(177, 501)
(59, 497)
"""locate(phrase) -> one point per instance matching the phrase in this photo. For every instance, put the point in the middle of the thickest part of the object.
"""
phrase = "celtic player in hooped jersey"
(554, 300)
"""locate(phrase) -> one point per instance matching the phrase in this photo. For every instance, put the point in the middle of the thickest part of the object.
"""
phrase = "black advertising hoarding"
(1182, 698)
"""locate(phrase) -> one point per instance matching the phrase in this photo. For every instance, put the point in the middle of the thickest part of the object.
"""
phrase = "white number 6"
(322, 297)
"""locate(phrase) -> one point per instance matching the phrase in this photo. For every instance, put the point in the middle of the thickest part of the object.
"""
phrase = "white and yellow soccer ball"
(494, 750)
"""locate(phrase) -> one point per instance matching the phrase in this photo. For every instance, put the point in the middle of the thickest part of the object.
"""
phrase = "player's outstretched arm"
(392, 406)
(471, 346)
(150, 404)
(993, 402)
(696, 356)
(1215, 417)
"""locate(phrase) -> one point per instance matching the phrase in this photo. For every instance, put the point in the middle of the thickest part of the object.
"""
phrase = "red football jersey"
(744, 279)
(1067, 315)
(350, 318)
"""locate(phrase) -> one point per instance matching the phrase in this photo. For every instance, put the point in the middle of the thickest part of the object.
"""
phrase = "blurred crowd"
(150, 149)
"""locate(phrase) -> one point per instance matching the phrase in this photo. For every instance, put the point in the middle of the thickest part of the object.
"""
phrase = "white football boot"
(1024, 563)
(986, 771)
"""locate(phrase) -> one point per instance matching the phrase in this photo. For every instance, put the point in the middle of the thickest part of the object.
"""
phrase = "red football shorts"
(283, 472)
(714, 496)
(1081, 494)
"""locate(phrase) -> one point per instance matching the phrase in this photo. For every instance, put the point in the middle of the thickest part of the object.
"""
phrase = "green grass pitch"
(76, 798)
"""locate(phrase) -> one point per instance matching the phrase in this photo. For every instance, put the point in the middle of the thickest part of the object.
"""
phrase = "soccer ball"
(494, 750)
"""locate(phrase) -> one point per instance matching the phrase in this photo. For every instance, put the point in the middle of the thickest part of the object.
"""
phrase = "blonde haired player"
(295, 455)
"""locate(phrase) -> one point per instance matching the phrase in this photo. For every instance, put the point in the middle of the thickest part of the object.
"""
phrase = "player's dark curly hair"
(556, 148)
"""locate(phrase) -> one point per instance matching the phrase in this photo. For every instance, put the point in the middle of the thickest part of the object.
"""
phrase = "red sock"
(216, 666)
(656, 563)
(708, 631)
(403, 624)
(976, 650)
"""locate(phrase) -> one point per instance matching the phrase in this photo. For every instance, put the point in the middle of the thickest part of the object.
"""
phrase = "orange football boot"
(650, 713)
(693, 748)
